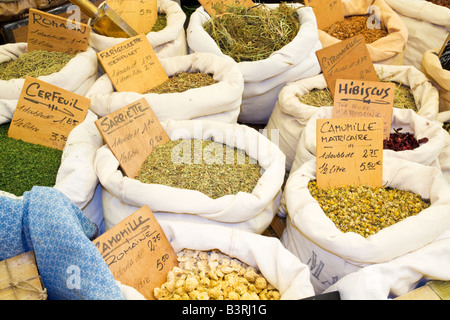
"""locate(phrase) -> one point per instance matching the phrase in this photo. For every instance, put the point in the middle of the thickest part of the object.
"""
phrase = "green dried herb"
(366, 210)
(184, 81)
(24, 164)
(34, 64)
(161, 22)
(403, 98)
(251, 34)
(446, 127)
(210, 167)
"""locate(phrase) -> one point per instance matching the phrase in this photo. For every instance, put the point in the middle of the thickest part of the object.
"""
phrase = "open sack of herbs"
(272, 43)
(167, 36)
(300, 100)
(75, 73)
(200, 86)
(411, 137)
(233, 180)
(361, 225)
(383, 30)
(71, 170)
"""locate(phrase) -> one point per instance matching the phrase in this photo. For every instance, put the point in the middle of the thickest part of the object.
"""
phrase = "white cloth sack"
(398, 276)
(76, 177)
(426, 154)
(290, 115)
(280, 267)
(220, 101)
(428, 25)
(250, 211)
(76, 76)
(314, 238)
(169, 42)
(264, 79)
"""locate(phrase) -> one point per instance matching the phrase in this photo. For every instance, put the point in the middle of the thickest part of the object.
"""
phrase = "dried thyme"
(356, 25)
(210, 167)
(161, 22)
(366, 210)
(251, 34)
(34, 64)
(24, 165)
(184, 81)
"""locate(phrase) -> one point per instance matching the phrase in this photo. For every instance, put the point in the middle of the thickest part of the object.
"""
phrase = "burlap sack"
(248, 211)
(314, 238)
(169, 42)
(428, 25)
(219, 102)
(387, 50)
(76, 76)
(264, 79)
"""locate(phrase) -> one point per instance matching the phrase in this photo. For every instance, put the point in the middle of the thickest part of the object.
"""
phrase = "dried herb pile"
(356, 25)
(252, 34)
(366, 210)
(403, 98)
(444, 3)
(184, 81)
(24, 165)
(210, 167)
(399, 141)
(34, 64)
(161, 22)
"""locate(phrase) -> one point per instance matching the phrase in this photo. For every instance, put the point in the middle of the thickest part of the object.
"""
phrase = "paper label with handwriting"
(50, 32)
(132, 133)
(356, 99)
(208, 5)
(348, 59)
(132, 65)
(349, 152)
(139, 14)
(327, 12)
(46, 114)
(138, 252)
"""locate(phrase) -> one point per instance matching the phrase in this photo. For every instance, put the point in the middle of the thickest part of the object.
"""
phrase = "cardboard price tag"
(54, 33)
(327, 12)
(138, 252)
(132, 65)
(348, 59)
(349, 152)
(209, 4)
(140, 15)
(356, 99)
(45, 114)
(132, 133)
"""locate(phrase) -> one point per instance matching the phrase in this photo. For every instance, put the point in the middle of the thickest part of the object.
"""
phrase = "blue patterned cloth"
(46, 221)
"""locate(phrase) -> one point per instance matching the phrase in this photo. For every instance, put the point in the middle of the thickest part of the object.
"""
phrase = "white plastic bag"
(169, 42)
(250, 211)
(76, 76)
(332, 254)
(264, 79)
(428, 25)
(219, 102)
(406, 119)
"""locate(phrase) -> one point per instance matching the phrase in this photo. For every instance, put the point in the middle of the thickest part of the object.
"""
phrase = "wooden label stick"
(46, 114)
(348, 59)
(349, 152)
(53, 33)
(356, 99)
(132, 133)
(138, 252)
(132, 65)
(327, 12)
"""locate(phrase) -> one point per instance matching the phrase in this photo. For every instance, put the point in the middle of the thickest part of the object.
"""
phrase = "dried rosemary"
(210, 167)
(35, 64)
(356, 25)
(24, 165)
(251, 34)
(366, 210)
(403, 98)
(184, 81)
